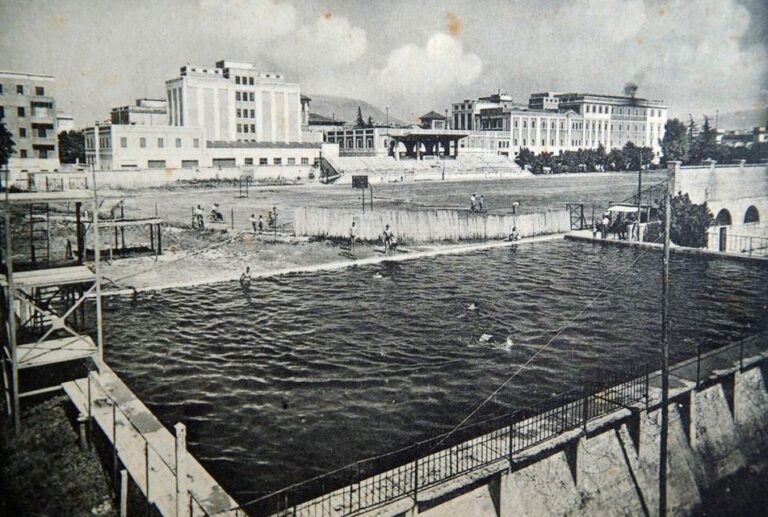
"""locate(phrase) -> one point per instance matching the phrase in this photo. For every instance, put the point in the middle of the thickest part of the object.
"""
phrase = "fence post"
(741, 355)
(146, 475)
(698, 364)
(416, 482)
(585, 410)
(646, 385)
(114, 441)
(181, 468)
(232, 218)
(123, 493)
(90, 414)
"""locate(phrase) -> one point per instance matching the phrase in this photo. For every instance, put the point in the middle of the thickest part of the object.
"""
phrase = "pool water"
(304, 373)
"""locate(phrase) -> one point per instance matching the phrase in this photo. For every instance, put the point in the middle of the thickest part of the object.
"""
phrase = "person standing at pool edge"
(352, 236)
(386, 237)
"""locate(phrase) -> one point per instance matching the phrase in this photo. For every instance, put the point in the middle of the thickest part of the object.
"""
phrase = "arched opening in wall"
(723, 218)
(752, 215)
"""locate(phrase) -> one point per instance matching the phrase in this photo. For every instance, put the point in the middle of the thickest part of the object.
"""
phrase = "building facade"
(556, 122)
(464, 115)
(28, 109)
(146, 112)
(236, 102)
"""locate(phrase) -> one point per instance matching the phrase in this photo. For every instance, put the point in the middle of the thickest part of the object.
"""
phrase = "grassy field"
(534, 194)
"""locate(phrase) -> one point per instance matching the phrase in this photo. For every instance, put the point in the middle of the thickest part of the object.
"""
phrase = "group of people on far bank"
(622, 226)
(388, 239)
(258, 224)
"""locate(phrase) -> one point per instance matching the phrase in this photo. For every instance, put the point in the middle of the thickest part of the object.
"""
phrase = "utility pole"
(665, 353)
(639, 197)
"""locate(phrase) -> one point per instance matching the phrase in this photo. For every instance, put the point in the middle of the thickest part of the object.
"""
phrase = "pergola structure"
(426, 143)
(43, 311)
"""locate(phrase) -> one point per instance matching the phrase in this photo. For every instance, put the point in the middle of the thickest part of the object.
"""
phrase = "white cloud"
(431, 70)
(255, 20)
(331, 41)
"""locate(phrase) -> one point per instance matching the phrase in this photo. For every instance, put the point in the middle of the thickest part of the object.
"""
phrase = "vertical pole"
(97, 261)
(362, 191)
(181, 469)
(232, 218)
(698, 364)
(371, 189)
(152, 237)
(639, 197)
(664, 358)
(90, 411)
(146, 476)
(114, 441)
(123, 493)
(122, 228)
(79, 230)
(159, 241)
(11, 298)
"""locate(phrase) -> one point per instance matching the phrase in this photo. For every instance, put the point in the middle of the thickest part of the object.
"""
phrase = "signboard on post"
(360, 182)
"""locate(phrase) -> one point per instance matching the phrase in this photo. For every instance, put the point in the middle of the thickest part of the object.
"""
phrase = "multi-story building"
(227, 116)
(236, 102)
(28, 109)
(556, 122)
(146, 112)
(464, 114)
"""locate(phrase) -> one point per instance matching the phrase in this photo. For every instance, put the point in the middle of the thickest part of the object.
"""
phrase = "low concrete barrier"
(420, 226)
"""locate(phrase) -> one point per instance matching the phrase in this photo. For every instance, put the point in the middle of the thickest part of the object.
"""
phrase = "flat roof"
(50, 277)
(224, 144)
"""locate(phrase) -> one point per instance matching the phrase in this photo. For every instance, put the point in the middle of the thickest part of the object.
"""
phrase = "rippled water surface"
(306, 373)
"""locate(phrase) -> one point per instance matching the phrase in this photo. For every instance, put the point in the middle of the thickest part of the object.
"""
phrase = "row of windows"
(591, 108)
(143, 142)
(245, 128)
(41, 153)
(39, 90)
(244, 80)
(245, 96)
(279, 161)
(244, 113)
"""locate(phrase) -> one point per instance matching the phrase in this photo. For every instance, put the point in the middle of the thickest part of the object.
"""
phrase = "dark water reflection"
(305, 373)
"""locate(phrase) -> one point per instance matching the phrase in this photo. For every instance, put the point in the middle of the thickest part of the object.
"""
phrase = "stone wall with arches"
(737, 196)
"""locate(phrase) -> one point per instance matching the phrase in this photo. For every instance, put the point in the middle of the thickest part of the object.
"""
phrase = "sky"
(699, 56)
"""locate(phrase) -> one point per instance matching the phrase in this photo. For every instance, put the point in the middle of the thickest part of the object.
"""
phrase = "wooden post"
(665, 356)
(90, 413)
(122, 228)
(146, 475)
(114, 441)
(11, 296)
(232, 218)
(79, 230)
(123, 493)
(83, 435)
(97, 261)
(159, 241)
(152, 238)
(181, 470)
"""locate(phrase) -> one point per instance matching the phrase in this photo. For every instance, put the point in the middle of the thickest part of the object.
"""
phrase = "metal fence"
(374, 482)
(752, 246)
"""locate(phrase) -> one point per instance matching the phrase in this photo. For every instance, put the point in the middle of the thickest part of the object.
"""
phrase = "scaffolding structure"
(42, 300)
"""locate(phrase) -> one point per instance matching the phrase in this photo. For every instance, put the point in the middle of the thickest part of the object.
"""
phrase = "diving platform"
(53, 351)
(169, 477)
(50, 277)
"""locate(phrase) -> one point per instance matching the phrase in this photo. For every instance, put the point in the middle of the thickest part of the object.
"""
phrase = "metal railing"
(752, 246)
(378, 481)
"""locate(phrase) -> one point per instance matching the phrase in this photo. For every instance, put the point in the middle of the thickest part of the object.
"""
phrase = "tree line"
(630, 157)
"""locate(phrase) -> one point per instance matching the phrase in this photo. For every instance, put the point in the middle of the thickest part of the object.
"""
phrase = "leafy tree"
(691, 136)
(71, 146)
(359, 121)
(689, 222)
(370, 122)
(525, 157)
(617, 160)
(674, 145)
(6, 145)
(706, 143)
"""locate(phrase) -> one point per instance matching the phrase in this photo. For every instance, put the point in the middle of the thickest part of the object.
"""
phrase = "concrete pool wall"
(419, 226)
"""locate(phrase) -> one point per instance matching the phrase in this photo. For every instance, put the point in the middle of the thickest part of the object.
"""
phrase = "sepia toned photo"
(296, 258)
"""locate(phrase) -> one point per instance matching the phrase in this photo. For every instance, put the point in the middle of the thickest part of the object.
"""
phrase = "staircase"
(39, 233)
(328, 173)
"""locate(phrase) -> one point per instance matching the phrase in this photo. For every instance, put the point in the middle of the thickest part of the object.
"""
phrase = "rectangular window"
(160, 143)
(263, 161)
(305, 161)
(253, 128)
(245, 128)
(156, 164)
(515, 142)
(253, 114)
(123, 142)
(250, 81)
(23, 153)
(252, 97)
(188, 164)
(249, 161)
(178, 142)
(142, 142)
(238, 113)
(277, 161)
(20, 89)
(237, 96)
(291, 161)
(39, 90)
(196, 143)
(237, 79)
(543, 142)
(20, 111)
(239, 128)
(22, 132)
(1, 89)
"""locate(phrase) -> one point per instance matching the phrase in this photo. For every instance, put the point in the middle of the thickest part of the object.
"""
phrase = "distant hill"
(746, 119)
(343, 108)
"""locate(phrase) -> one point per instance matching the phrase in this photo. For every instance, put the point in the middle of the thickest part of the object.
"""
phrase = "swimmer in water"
(245, 278)
(472, 307)
(377, 276)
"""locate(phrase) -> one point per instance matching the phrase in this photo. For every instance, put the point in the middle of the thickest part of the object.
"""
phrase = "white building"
(234, 101)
